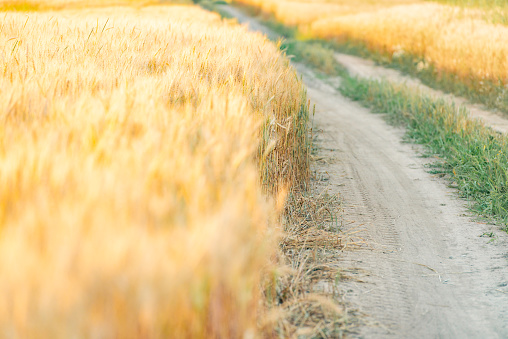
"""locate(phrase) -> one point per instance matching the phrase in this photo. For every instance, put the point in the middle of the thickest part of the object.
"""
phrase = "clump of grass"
(299, 307)
(317, 211)
(475, 157)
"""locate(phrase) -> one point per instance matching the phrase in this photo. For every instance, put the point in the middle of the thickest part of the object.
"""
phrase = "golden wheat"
(457, 40)
(453, 40)
(38, 5)
(132, 142)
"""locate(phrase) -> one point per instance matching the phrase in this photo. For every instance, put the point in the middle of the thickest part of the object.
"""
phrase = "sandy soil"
(427, 271)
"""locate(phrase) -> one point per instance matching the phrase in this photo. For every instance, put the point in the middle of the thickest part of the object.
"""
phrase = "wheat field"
(43, 5)
(467, 42)
(455, 40)
(144, 152)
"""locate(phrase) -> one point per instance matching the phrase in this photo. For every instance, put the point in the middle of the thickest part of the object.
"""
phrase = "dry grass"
(303, 296)
(462, 41)
(134, 148)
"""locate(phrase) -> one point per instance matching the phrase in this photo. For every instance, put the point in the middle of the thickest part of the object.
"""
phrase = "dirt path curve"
(427, 272)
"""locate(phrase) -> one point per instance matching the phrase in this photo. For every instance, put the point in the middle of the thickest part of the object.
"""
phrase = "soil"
(429, 270)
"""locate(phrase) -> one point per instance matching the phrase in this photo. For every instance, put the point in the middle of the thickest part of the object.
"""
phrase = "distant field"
(298, 12)
(466, 45)
(138, 151)
(37, 5)
(457, 41)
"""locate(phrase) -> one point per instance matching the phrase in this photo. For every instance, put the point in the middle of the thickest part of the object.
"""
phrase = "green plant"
(475, 156)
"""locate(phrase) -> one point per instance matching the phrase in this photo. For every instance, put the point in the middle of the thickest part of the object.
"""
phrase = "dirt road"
(428, 272)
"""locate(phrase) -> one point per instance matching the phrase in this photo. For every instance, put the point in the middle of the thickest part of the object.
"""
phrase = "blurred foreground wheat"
(134, 148)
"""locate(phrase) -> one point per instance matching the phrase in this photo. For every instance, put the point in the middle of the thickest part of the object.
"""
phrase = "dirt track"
(427, 272)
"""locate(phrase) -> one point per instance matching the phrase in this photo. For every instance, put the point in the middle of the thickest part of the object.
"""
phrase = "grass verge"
(492, 94)
(302, 297)
(474, 156)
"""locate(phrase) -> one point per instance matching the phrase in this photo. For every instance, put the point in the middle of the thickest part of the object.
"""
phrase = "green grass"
(313, 53)
(475, 157)
(492, 94)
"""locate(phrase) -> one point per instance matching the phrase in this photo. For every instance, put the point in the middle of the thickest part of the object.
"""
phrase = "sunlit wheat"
(463, 41)
(135, 144)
